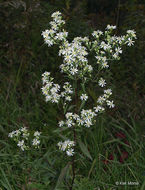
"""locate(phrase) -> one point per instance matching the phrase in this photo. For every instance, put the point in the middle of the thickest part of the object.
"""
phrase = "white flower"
(87, 117)
(70, 152)
(17, 133)
(35, 142)
(67, 146)
(105, 65)
(74, 71)
(118, 50)
(50, 90)
(102, 82)
(101, 100)
(55, 98)
(21, 145)
(115, 56)
(24, 129)
(49, 42)
(130, 42)
(37, 134)
(132, 33)
(45, 33)
(105, 46)
(61, 35)
(54, 25)
(69, 115)
(110, 27)
(88, 123)
(110, 104)
(69, 123)
(12, 134)
(61, 123)
(26, 135)
(99, 109)
(75, 116)
(84, 97)
(80, 121)
(97, 33)
(89, 68)
(68, 98)
(108, 92)
(56, 14)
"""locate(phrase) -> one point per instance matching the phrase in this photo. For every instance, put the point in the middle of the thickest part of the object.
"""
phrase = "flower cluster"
(110, 27)
(97, 34)
(36, 140)
(86, 119)
(50, 90)
(67, 146)
(68, 91)
(104, 99)
(22, 136)
(110, 48)
(55, 34)
(75, 60)
(102, 61)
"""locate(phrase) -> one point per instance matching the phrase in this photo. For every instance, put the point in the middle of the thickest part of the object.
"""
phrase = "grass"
(47, 168)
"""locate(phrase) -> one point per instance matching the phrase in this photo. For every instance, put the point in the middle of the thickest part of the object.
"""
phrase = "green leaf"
(5, 181)
(62, 175)
(84, 150)
(36, 185)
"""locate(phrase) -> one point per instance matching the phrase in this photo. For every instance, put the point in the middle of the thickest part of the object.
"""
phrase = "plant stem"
(75, 140)
(73, 162)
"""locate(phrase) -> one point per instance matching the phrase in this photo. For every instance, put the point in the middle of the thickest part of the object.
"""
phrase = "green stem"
(75, 138)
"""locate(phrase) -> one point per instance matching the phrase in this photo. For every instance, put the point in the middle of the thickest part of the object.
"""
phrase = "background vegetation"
(111, 151)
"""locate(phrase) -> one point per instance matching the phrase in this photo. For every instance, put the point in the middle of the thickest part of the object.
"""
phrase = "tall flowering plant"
(80, 70)
(85, 60)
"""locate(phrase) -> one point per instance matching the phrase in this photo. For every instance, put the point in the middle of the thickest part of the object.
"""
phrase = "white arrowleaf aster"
(84, 97)
(110, 104)
(97, 33)
(22, 137)
(102, 82)
(12, 134)
(67, 146)
(37, 134)
(56, 14)
(70, 152)
(21, 145)
(132, 33)
(76, 65)
(99, 109)
(101, 99)
(87, 116)
(50, 89)
(130, 42)
(110, 27)
(68, 98)
(35, 142)
(61, 123)
(107, 93)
